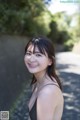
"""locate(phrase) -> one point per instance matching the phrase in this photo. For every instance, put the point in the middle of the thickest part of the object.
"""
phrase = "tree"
(53, 34)
(23, 17)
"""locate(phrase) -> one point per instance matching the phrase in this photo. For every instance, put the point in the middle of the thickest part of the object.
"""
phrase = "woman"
(46, 102)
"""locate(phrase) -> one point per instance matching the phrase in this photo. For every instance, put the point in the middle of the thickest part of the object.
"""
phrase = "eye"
(28, 53)
(38, 55)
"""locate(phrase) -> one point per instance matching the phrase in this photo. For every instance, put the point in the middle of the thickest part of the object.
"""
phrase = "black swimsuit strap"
(49, 84)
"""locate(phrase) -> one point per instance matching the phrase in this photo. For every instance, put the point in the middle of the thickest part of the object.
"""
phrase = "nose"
(32, 58)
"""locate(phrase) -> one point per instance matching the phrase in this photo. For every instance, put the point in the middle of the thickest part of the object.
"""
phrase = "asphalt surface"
(68, 67)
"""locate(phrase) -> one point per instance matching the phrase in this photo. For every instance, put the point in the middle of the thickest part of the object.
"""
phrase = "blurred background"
(20, 20)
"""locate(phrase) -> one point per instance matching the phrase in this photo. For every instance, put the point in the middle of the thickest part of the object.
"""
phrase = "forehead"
(32, 48)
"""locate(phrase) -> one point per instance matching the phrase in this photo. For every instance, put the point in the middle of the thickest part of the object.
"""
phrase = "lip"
(32, 65)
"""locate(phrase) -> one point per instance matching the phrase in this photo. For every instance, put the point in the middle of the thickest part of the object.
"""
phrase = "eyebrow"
(34, 52)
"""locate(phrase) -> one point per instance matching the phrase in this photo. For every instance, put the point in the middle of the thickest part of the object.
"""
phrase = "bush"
(68, 45)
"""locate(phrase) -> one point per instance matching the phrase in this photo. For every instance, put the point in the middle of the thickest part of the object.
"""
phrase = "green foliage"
(63, 37)
(76, 29)
(23, 17)
(53, 34)
(65, 29)
(69, 44)
(31, 17)
(59, 33)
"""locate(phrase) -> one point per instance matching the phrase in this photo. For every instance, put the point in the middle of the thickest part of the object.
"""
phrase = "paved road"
(68, 66)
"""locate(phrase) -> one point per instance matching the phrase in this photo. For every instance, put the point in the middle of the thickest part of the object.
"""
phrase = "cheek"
(44, 62)
(25, 60)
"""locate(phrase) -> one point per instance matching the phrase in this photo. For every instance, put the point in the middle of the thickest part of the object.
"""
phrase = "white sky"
(57, 6)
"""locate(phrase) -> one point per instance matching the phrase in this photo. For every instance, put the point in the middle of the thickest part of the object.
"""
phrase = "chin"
(33, 71)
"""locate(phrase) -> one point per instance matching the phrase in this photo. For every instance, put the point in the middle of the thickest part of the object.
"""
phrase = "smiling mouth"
(32, 66)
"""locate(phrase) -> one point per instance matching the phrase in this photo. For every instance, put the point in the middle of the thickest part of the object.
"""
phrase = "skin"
(49, 98)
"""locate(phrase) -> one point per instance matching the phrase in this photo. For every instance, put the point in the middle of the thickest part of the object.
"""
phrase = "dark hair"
(45, 45)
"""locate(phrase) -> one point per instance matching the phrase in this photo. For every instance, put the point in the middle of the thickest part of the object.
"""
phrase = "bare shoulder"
(49, 100)
(50, 92)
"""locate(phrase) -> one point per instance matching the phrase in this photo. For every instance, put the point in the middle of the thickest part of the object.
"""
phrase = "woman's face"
(36, 62)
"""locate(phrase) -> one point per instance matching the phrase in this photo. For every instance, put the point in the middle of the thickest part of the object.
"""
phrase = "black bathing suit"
(33, 112)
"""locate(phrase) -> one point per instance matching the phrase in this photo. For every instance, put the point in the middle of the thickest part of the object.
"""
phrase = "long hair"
(45, 45)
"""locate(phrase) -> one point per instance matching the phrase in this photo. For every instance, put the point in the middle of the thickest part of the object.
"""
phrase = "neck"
(41, 78)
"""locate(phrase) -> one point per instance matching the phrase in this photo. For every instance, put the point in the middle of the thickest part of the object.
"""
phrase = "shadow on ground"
(69, 73)
(71, 92)
(71, 89)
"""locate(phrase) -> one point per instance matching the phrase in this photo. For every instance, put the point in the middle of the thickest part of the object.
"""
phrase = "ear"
(50, 62)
